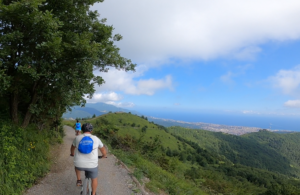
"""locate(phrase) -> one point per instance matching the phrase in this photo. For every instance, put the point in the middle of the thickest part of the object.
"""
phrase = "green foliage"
(70, 123)
(144, 129)
(148, 147)
(23, 157)
(285, 144)
(211, 162)
(48, 52)
(255, 149)
(141, 126)
(159, 179)
(241, 154)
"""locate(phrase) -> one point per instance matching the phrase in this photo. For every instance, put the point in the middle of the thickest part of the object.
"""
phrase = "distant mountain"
(76, 114)
(102, 107)
(91, 109)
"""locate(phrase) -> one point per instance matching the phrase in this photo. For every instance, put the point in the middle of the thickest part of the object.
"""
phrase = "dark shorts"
(89, 172)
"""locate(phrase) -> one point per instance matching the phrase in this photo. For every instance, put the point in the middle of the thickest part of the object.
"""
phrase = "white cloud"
(109, 98)
(129, 83)
(227, 78)
(288, 81)
(122, 104)
(247, 53)
(250, 112)
(199, 29)
(105, 97)
(292, 103)
(149, 86)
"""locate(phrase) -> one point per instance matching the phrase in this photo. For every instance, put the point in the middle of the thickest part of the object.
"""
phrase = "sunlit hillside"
(203, 162)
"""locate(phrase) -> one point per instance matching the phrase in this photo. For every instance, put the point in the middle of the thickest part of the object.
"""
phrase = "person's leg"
(94, 185)
(93, 174)
(77, 173)
(78, 177)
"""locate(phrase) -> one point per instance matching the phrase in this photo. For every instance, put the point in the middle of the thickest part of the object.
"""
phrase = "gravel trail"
(113, 179)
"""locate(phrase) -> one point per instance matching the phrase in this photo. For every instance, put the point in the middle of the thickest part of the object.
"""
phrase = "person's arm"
(103, 151)
(72, 150)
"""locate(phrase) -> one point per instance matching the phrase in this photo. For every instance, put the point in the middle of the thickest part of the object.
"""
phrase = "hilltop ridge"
(98, 109)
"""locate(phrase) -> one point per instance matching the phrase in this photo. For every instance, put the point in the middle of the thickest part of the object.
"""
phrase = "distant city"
(235, 130)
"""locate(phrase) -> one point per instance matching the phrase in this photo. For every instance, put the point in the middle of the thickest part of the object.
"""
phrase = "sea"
(264, 122)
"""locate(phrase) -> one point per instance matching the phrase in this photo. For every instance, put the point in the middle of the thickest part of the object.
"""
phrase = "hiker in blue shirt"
(77, 128)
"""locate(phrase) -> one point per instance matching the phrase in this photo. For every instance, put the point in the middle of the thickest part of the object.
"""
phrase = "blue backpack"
(78, 126)
(86, 145)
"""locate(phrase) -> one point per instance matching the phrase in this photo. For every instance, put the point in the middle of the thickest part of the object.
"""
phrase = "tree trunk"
(28, 113)
(56, 124)
(14, 107)
(27, 118)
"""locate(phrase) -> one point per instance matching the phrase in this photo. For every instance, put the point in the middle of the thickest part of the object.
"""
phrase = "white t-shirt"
(87, 160)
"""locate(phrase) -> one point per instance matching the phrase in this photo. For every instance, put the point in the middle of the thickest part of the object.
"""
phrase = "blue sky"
(225, 56)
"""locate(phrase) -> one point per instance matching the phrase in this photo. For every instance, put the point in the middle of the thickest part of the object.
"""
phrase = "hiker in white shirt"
(85, 151)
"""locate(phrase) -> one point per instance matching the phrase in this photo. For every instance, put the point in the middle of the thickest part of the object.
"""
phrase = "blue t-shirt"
(78, 126)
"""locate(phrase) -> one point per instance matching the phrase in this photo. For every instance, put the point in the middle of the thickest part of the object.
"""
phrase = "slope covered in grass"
(135, 126)
(203, 162)
(263, 149)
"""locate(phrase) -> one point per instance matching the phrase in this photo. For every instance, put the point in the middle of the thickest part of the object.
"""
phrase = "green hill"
(288, 145)
(133, 125)
(203, 162)
(263, 149)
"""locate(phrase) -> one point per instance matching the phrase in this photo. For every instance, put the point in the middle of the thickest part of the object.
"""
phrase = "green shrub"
(23, 157)
(159, 178)
(70, 123)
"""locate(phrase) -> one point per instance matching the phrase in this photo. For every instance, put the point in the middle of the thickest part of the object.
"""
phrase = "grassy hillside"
(135, 126)
(142, 144)
(288, 145)
(202, 162)
(257, 150)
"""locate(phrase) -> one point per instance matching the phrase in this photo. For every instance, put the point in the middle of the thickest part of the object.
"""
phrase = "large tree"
(48, 52)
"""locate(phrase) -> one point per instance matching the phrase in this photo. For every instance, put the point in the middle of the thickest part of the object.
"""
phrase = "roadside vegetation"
(49, 51)
(24, 156)
(177, 160)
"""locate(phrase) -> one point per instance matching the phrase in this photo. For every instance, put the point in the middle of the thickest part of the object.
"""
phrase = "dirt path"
(112, 179)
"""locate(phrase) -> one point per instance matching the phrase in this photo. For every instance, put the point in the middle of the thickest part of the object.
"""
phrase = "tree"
(144, 129)
(48, 51)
